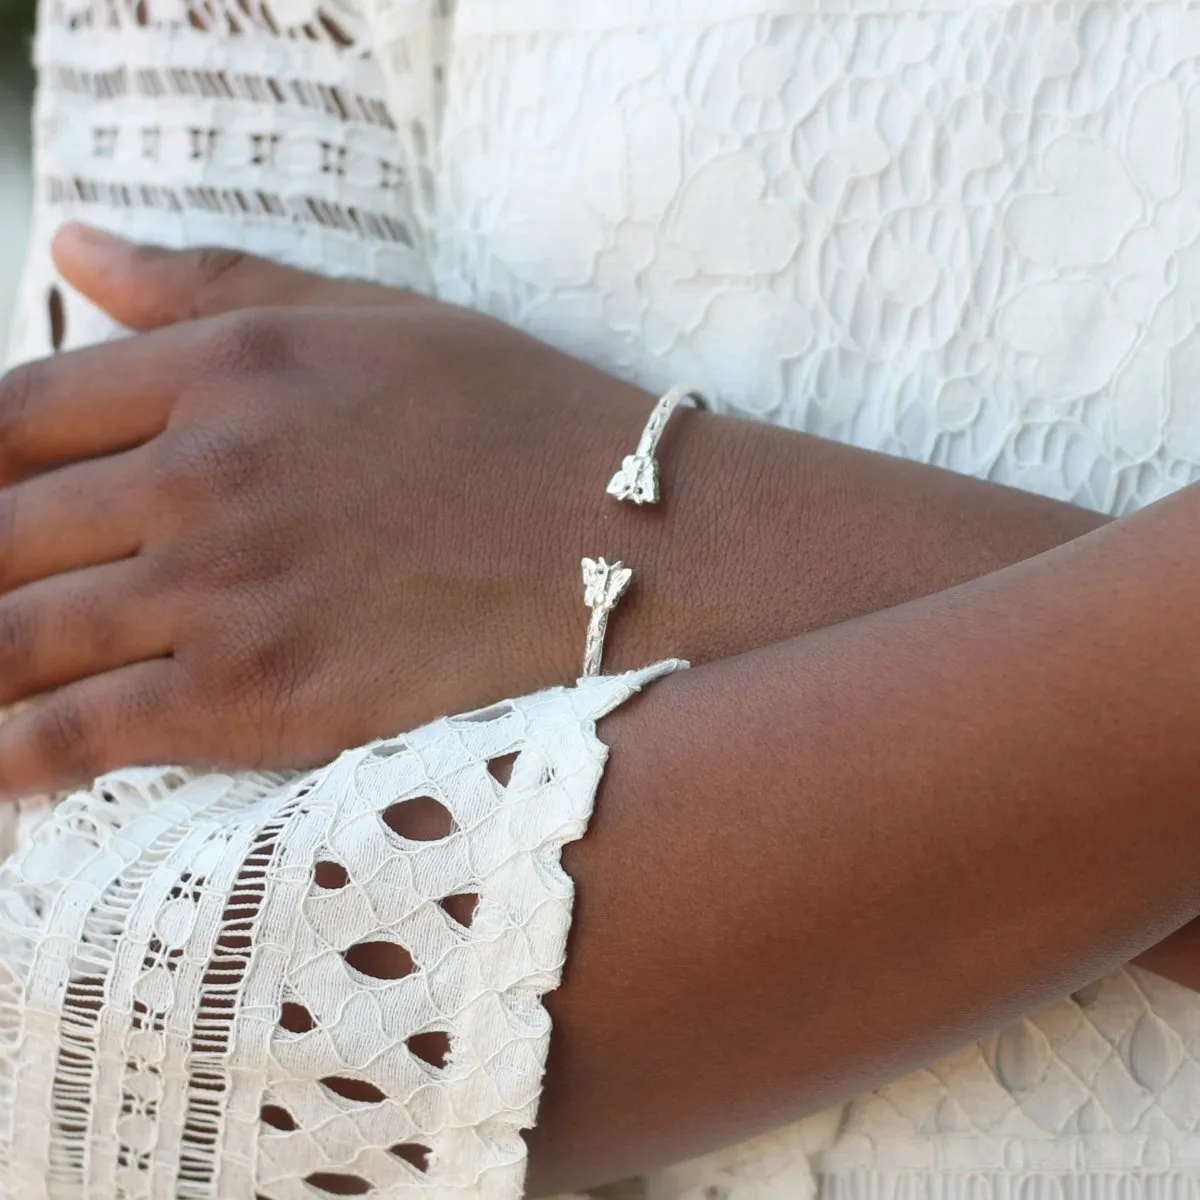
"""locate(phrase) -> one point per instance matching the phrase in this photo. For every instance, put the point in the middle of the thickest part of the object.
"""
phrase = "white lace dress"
(964, 231)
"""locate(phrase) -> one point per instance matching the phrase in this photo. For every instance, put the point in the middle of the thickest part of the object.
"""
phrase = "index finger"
(147, 287)
(85, 403)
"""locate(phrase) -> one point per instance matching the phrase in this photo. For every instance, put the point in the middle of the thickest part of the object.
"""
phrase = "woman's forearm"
(822, 863)
(765, 533)
(833, 532)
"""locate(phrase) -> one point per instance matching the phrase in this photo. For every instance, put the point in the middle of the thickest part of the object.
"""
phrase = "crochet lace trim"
(293, 985)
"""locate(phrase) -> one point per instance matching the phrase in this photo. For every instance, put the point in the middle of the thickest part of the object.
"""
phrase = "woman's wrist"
(763, 533)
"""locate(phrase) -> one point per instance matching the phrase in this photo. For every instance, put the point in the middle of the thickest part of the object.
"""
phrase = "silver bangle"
(638, 480)
(603, 586)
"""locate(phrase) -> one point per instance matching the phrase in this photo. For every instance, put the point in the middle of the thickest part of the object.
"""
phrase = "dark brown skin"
(295, 515)
(337, 523)
(913, 828)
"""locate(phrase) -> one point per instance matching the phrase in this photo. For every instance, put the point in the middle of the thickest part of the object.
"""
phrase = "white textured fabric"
(964, 231)
(329, 983)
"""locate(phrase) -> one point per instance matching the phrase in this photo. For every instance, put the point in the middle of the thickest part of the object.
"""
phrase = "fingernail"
(95, 247)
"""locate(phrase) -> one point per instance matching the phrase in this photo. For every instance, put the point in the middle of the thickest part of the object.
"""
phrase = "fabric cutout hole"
(336, 32)
(390, 749)
(295, 1018)
(278, 1118)
(484, 715)
(461, 907)
(1089, 994)
(412, 1153)
(268, 18)
(501, 768)
(380, 960)
(330, 875)
(335, 1184)
(432, 1047)
(422, 819)
(358, 1090)
(58, 318)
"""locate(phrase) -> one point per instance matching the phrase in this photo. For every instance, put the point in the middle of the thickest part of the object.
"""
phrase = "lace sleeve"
(296, 129)
(281, 987)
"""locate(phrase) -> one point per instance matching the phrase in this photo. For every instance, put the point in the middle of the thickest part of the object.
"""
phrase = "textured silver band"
(603, 586)
(638, 478)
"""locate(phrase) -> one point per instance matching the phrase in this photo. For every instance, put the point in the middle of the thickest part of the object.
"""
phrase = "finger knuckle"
(62, 739)
(278, 666)
(19, 390)
(259, 667)
(213, 272)
(17, 634)
(254, 342)
(8, 534)
(244, 563)
(151, 708)
(268, 681)
(214, 264)
(207, 464)
(167, 571)
(77, 619)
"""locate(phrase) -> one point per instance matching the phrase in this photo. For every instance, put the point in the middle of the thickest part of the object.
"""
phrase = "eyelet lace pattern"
(285, 986)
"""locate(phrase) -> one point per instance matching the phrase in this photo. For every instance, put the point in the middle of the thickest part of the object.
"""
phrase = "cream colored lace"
(293, 986)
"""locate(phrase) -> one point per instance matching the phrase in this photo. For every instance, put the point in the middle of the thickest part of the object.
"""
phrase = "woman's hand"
(294, 514)
(259, 537)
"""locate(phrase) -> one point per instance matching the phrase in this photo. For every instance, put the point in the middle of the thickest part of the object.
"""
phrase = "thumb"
(144, 287)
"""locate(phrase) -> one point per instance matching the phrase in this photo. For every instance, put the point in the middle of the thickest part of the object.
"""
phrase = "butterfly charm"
(603, 585)
(637, 480)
